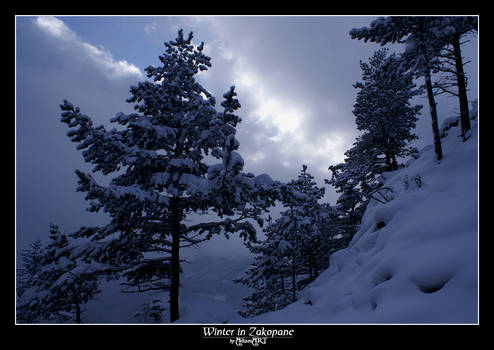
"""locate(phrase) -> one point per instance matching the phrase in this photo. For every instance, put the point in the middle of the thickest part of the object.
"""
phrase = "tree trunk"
(388, 161)
(394, 163)
(432, 106)
(77, 307)
(175, 260)
(294, 282)
(310, 269)
(462, 87)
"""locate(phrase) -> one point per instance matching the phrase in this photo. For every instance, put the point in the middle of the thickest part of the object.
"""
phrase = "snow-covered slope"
(422, 266)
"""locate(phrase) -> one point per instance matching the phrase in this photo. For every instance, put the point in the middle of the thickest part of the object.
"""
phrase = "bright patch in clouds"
(287, 122)
(151, 27)
(292, 139)
(97, 55)
(270, 108)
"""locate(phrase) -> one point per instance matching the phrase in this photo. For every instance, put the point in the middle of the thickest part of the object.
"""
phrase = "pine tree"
(267, 274)
(25, 278)
(61, 285)
(311, 237)
(452, 30)
(423, 47)
(354, 179)
(161, 153)
(383, 109)
(31, 264)
(295, 246)
(386, 119)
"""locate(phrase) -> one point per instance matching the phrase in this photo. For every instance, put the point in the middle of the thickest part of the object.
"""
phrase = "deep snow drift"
(422, 266)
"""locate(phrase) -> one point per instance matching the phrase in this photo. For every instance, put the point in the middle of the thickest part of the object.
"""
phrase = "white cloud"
(150, 27)
(56, 28)
(96, 55)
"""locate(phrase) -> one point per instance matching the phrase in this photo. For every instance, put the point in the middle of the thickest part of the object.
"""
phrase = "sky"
(293, 76)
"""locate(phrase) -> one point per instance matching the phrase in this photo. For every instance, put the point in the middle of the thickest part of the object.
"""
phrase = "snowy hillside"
(415, 257)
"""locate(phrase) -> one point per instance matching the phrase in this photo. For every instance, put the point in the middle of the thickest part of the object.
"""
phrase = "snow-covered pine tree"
(382, 109)
(61, 285)
(452, 30)
(31, 264)
(384, 114)
(299, 226)
(313, 240)
(161, 153)
(25, 278)
(352, 179)
(338, 232)
(267, 274)
(423, 47)
(350, 200)
(295, 246)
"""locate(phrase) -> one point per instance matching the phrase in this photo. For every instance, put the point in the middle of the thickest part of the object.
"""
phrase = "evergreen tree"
(386, 119)
(452, 30)
(383, 110)
(25, 278)
(423, 47)
(61, 285)
(31, 264)
(312, 239)
(354, 180)
(295, 246)
(161, 153)
(267, 274)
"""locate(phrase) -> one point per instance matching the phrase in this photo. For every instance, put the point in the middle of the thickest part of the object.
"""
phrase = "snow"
(263, 180)
(421, 266)
(447, 124)
(284, 246)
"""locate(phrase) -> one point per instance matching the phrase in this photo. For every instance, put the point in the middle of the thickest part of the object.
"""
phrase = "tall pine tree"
(160, 174)
(423, 46)
(382, 109)
(386, 119)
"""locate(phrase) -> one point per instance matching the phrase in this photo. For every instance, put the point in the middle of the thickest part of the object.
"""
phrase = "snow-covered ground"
(422, 266)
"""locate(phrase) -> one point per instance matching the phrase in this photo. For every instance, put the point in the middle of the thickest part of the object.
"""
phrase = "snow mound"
(415, 257)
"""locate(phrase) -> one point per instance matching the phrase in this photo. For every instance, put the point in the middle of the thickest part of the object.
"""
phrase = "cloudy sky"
(293, 76)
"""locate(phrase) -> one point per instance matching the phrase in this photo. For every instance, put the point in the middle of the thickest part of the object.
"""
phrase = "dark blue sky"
(294, 78)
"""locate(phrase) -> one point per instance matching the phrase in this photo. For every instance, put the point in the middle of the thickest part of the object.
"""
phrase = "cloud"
(97, 56)
(151, 27)
(56, 28)
(53, 63)
(289, 116)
